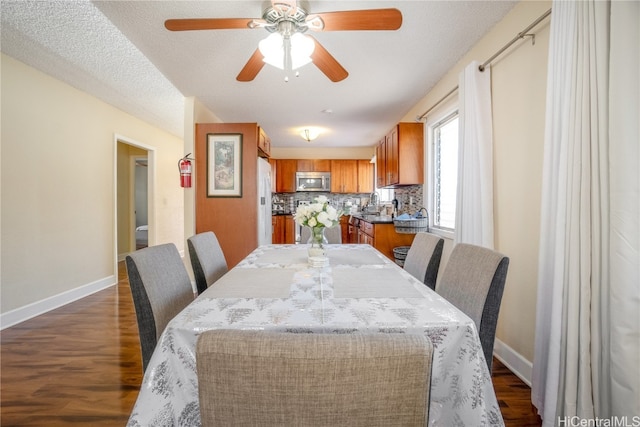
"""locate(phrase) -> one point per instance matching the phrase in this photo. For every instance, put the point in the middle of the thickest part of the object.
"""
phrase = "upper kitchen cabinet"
(309, 165)
(286, 175)
(400, 156)
(264, 143)
(365, 176)
(381, 170)
(344, 176)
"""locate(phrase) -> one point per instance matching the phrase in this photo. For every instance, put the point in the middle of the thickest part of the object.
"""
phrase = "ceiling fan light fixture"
(301, 49)
(272, 48)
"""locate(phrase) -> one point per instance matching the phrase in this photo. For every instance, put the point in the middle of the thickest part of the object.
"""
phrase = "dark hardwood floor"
(80, 365)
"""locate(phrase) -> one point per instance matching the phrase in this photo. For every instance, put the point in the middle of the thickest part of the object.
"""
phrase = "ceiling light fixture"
(286, 47)
(309, 134)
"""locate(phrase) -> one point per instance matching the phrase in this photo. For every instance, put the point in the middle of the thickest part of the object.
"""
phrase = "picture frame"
(224, 165)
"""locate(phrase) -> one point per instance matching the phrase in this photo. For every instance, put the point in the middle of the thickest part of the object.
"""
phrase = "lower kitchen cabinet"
(283, 229)
(383, 237)
(289, 229)
(344, 228)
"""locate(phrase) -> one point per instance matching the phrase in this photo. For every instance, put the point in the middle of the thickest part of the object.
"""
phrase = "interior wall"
(57, 199)
(518, 83)
(194, 112)
(233, 219)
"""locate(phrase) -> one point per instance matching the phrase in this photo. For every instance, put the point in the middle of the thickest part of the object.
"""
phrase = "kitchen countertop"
(281, 213)
(374, 219)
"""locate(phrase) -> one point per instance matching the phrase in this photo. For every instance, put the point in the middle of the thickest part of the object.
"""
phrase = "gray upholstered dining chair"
(333, 234)
(473, 281)
(161, 288)
(286, 379)
(207, 259)
(423, 258)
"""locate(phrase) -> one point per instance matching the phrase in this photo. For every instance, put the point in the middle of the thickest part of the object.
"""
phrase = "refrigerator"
(264, 202)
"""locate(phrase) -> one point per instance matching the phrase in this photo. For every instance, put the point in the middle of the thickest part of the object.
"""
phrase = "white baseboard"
(514, 361)
(21, 314)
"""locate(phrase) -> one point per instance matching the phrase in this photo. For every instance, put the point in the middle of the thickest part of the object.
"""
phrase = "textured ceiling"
(120, 52)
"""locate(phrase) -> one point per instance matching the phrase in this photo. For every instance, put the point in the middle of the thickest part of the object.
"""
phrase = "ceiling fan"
(287, 47)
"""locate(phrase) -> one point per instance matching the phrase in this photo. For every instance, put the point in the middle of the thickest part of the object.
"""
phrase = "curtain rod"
(522, 34)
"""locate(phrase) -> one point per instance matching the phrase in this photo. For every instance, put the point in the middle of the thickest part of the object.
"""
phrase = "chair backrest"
(423, 258)
(333, 234)
(161, 288)
(207, 259)
(473, 281)
(276, 379)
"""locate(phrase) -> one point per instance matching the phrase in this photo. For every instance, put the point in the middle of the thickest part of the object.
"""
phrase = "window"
(444, 137)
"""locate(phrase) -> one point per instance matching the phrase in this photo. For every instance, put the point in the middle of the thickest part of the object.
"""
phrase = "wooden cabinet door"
(305, 165)
(392, 166)
(365, 176)
(289, 229)
(336, 176)
(410, 138)
(381, 158)
(264, 142)
(277, 236)
(322, 165)
(314, 165)
(286, 176)
(344, 228)
(365, 239)
(344, 176)
(353, 234)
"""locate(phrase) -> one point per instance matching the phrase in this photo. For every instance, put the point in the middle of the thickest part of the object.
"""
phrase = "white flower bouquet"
(318, 214)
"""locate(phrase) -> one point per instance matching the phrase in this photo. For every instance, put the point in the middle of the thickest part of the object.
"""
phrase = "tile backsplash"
(410, 199)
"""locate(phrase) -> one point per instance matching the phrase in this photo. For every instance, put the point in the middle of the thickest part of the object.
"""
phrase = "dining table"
(357, 290)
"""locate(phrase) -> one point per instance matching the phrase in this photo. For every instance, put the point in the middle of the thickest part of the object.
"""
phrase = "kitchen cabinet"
(344, 228)
(365, 176)
(289, 229)
(277, 230)
(264, 143)
(284, 230)
(344, 176)
(382, 236)
(314, 165)
(347, 176)
(286, 175)
(381, 169)
(400, 156)
(352, 230)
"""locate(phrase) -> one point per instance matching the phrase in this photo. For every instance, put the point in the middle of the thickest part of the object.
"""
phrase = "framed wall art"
(224, 165)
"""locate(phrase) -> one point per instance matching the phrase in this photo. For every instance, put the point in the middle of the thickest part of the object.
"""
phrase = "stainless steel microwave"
(313, 181)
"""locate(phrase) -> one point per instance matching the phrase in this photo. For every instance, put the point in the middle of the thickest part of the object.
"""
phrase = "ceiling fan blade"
(370, 19)
(252, 67)
(207, 24)
(327, 63)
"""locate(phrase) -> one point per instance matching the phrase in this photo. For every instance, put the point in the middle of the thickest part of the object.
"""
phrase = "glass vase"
(317, 242)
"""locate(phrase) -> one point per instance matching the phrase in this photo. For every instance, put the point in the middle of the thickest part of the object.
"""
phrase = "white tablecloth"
(361, 290)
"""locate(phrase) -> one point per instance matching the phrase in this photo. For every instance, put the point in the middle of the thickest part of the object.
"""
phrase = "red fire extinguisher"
(184, 165)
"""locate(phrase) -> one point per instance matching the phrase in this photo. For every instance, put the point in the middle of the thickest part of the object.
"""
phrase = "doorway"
(132, 199)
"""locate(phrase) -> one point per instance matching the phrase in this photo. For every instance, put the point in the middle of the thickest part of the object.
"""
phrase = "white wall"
(58, 186)
(518, 84)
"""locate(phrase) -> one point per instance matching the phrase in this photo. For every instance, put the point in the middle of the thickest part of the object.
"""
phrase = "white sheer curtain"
(586, 361)
(474, 204)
